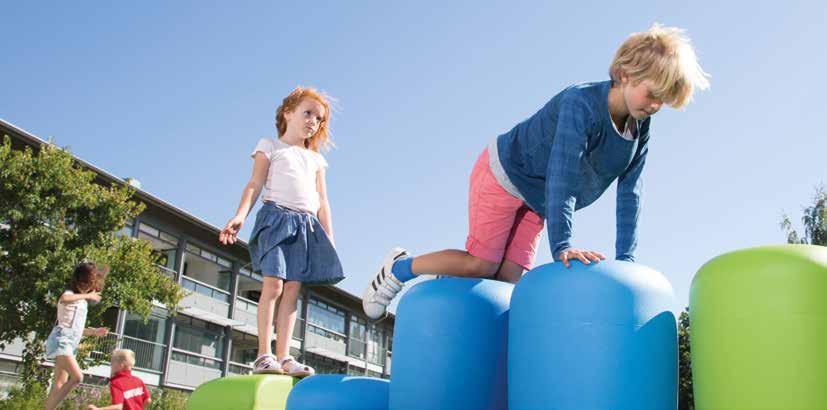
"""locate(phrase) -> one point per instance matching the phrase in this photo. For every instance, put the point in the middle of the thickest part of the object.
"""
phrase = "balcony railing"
(148, 355)
(170, 273)
(246, 311)
(326, 339)
(191, 369)
(206, 297)
(239, 369)
(101, 347)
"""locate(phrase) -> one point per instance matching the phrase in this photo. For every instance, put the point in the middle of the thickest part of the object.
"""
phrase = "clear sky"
(176, 94)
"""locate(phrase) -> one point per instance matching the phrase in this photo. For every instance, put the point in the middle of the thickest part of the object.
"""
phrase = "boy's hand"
(580, 254)
(94, 297)
(92, 407)
(100, 332)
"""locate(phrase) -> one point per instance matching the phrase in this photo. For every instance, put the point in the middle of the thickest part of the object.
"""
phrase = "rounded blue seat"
(449, 346)
(341, 392)
(598, 336)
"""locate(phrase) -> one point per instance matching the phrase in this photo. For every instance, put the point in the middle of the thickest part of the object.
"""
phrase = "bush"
(34, 396)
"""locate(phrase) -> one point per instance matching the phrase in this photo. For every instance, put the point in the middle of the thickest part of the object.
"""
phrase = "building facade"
(214, 332)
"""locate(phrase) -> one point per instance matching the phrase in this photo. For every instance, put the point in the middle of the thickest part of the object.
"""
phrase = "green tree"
(53, 214)
(686, 398)
(814, 220)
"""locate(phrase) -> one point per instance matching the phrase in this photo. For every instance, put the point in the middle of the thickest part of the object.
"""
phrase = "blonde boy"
(557, 161)
(128, 392)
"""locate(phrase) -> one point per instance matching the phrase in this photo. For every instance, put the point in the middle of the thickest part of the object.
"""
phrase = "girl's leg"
(285, 323)
(271, 289)
(286, 318)
(61, 376)
(75, 378)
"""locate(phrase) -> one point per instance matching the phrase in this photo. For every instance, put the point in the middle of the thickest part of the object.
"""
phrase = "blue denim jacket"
(566, 155)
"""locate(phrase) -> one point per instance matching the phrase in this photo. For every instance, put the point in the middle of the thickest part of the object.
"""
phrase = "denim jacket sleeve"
(629, 186)
(563, 171)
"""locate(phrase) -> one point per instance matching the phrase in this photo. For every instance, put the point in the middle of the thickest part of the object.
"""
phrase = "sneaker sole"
(269, 371)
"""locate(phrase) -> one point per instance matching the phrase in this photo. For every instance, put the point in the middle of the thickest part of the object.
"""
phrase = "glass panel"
(244, 348)
(147, 355)
(199, 337)
(332, 320)
(169, 238)
(325, 333)
(225, 263)
(297, 330)
(207, 271)
(357, 329)
(154, 330)
(356, 349)
(149, 230)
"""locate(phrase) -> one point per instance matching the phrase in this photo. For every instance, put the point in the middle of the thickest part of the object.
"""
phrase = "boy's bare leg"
(454, 262)
(509, 272)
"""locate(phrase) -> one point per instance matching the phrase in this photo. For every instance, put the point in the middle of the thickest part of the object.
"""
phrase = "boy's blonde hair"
(124, 356)
(321, 139)
(665, 56)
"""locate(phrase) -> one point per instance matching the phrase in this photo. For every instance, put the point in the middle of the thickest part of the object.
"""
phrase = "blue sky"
(176, 94)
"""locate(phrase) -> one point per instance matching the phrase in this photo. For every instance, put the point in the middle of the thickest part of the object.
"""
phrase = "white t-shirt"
(291, 180)
(72, 315)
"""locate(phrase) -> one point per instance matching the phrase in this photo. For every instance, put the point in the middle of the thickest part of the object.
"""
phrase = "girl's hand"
(229, 234)
(581, 255)
(100, 331)
(93, 296)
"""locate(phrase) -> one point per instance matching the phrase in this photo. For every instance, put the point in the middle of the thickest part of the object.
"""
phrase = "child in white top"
(62, 344)
(292, 239)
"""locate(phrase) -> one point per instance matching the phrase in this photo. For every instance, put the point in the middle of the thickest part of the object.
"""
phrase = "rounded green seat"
(759, 329)
(250, 392)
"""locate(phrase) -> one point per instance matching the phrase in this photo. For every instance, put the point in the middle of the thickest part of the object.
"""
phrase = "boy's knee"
(481, 268)
(75, 379)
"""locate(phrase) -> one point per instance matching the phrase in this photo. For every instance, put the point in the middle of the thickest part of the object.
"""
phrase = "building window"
(244, 348)
(207, 267)
(126, 231)
(358, 337)
(154, 330)
(324, 315)
(197, 336)
(146, 339)
(297, 330)
(164, 245)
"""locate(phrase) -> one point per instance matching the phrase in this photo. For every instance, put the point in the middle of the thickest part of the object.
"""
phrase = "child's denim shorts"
(62, 342)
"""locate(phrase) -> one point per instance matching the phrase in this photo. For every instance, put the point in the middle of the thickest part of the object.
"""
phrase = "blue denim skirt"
(292, 245)
(62, 341)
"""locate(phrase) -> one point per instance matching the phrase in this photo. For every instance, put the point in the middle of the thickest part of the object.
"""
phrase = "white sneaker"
(383, 287)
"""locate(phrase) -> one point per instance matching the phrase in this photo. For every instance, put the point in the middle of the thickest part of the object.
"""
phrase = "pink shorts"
(501, 226)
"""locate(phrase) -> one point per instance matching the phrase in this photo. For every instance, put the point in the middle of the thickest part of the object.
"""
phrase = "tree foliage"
(53, 214)
(814, 219)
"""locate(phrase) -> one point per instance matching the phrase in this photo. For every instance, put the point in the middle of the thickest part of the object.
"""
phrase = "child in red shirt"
(128, 392)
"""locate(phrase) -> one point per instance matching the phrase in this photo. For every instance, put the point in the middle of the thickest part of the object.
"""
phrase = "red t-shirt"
(128, 390)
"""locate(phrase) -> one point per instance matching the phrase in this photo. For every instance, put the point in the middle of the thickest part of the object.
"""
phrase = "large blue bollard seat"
(597, 336)
(449, 346)
(339, 392)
